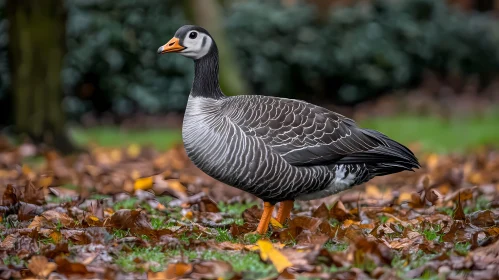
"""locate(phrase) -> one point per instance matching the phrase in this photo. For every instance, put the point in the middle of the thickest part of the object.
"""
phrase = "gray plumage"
(274, 148)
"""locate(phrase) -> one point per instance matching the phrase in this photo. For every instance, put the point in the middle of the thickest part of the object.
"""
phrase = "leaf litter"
(134, 212)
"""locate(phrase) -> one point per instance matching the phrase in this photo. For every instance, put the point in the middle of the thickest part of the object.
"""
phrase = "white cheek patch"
(198, 47)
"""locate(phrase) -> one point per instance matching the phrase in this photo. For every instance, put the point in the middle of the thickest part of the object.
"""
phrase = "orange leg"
(263, 226)
(285, 208)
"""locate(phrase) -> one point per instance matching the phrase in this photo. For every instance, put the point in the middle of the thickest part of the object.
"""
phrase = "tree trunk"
(37, 47)
(207, 14)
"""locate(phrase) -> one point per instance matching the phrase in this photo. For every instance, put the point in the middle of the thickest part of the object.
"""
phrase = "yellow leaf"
(160, 207)
(143, 183)
(268, 252)
(176, 186)
(476, 179)
(93, 218)
(189, 215)
(405, 196)
(275, 223)
(373, 191)
(347, 223)
(56, 236)
(251, 247)
(133, 151)
(26, 169)
(45, 181)
(432, 161)
(115, 155)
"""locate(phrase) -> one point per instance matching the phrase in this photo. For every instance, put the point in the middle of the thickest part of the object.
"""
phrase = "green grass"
(235, 210)
(13, 260)
(158, 258)
(335, 246)
(249, 263)
(462, 248)
(154, 256)
(119, 233)
(481, 203)
(129, 203)
(434, 134)
(439, 135)
(110, 136)
(224, 235)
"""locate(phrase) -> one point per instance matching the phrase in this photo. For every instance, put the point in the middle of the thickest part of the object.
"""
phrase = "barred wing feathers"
(306, 135)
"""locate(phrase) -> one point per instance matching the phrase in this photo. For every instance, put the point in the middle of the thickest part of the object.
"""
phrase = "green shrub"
(353, 54)
(112, 48)
(358, 51)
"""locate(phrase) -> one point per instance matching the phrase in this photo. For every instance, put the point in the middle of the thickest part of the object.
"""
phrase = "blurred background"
(424, 72)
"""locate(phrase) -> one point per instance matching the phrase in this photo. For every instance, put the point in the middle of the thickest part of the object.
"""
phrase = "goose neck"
(206, 77)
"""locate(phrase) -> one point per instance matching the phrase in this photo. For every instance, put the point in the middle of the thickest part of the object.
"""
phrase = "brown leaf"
(300, 223)
(64, 193)
(67, 267)
(173, 271)
(458, 212)
(171, 186)
(28, 211)
(238, 230)
(321, 212)
(9, 241)
(485, 218)
(54, 250)
(11, 195)
(136, 220)
(34, 194)
(51, 219)
(211, 270)
(40, 266)
(252, 215)
(208, 205)
(339, 212)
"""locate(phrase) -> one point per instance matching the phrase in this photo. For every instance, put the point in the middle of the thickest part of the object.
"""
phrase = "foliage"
(112, 62)
(86, 216)
(351, 54)
(358, 51)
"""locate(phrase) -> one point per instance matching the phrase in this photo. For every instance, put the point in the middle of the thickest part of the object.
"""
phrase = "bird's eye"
(193, 35)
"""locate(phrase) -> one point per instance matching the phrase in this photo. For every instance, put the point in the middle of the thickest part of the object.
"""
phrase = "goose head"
(190, 41)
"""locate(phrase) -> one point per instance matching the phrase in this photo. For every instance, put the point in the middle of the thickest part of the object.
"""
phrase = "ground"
(123, 209)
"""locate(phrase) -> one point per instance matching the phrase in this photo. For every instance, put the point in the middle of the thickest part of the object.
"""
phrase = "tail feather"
(390, 157)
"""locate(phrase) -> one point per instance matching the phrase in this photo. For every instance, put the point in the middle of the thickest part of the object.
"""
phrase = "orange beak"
(172, 46)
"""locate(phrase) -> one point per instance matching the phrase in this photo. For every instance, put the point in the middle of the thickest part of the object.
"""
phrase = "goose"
(280, 150)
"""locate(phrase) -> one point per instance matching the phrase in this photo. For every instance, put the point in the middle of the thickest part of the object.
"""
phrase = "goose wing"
(302, 133)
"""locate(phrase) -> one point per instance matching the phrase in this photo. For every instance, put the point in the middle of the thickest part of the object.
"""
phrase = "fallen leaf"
(485, 218)
(68, 268)
(173, 271)
(458, 212)
(321, 212)
(211, 270)
(339, 212)
(40, 266)
(143, 183)
(268, 252)
(275, 223)
(51, 219)
(34, 194)
(135, 220)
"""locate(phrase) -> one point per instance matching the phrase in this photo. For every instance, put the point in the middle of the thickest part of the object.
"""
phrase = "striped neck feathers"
(205, 82)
